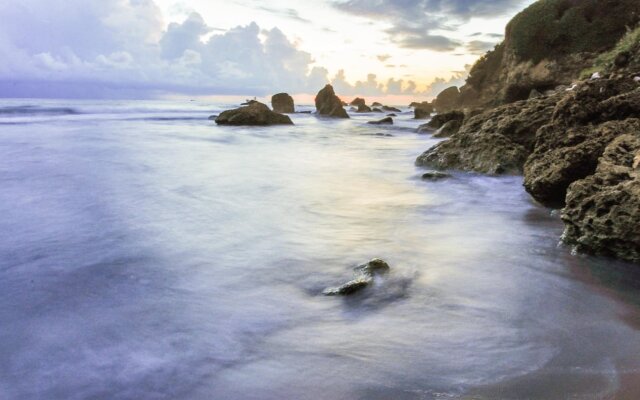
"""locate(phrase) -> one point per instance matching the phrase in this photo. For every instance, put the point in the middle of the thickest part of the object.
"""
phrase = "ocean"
(146, 253)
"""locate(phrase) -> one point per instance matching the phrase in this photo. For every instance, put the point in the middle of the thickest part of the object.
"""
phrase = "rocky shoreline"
(577, 146)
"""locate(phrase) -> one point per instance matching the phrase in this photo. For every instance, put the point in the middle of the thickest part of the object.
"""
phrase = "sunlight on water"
(147, 253)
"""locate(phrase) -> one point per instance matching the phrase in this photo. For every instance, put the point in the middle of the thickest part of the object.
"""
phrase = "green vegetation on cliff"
(554, 28)
(630, 44)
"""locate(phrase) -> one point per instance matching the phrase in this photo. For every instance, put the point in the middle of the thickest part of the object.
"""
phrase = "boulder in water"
(391, 109)
(357, 102)
(363, 108)
(435, 176)
(376, 104)
(383, 121)
(255, 114)
(363, 277)
(330, 105)
(282, 103)
(447, 100)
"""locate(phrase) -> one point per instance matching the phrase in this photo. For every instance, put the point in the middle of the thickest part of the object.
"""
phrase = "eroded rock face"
(449, 129)
(602, 213)
(256, 114)
(282, 103)
(497, 141)
(564, 155)
(330, 105)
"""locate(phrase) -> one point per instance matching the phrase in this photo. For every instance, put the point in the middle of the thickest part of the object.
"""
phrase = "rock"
(249, 102)
(328, 104)
(497, 141)
(254, 114)
(622, 59)
(564, 155)
(376, 104)
(376, 110)
(357, 102)
(602, 213)
(449, 129)
(392, 109)
(447, 100)
(439, 120)
(348, 288)
(594, 76)
(282, 103)
(435, 176)
(362, 108)
(363, 277)
(421, 113)
(392, 115)
(534, 94)
(383, 121)
(212, 117)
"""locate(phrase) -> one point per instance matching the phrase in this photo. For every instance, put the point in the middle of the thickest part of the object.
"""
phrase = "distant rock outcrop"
(383, 121)
(447, 100)
(283, 103)
(357, 102)
(254, 114)
(330, 105)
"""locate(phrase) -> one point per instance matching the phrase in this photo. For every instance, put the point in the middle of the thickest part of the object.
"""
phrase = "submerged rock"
(376, 110)
(328, 104)
(383, 121)
(256, 113)
(282, 103)
(435, 176)
(363, 277)
(391, 109)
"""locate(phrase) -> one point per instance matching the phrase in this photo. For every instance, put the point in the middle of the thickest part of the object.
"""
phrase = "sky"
(165, 48)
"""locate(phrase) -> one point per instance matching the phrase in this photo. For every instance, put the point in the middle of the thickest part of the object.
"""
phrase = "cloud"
(289, 13)
(479, 47)
(122, 48)
(414, 22)
(439, 84)
(124, 43)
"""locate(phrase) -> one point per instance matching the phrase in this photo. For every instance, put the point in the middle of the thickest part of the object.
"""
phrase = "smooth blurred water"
(146, 253)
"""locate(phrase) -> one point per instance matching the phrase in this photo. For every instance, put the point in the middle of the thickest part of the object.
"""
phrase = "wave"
(36, 110)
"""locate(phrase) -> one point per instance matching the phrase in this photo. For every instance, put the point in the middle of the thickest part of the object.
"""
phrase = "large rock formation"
(447, 100)
(254, 114)
(283, 103)
(548, 44)
(330, 105)
(497, 141)
(602, 214)
(583, 124)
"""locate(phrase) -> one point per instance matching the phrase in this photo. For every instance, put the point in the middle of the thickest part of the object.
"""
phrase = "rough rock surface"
(328, 104)
(282, 103)
(254, 114)
(439, 120)
(602, 213)
(497, 141)
(448, 129)
(363, 277)
(565, 155)
(383, 121)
